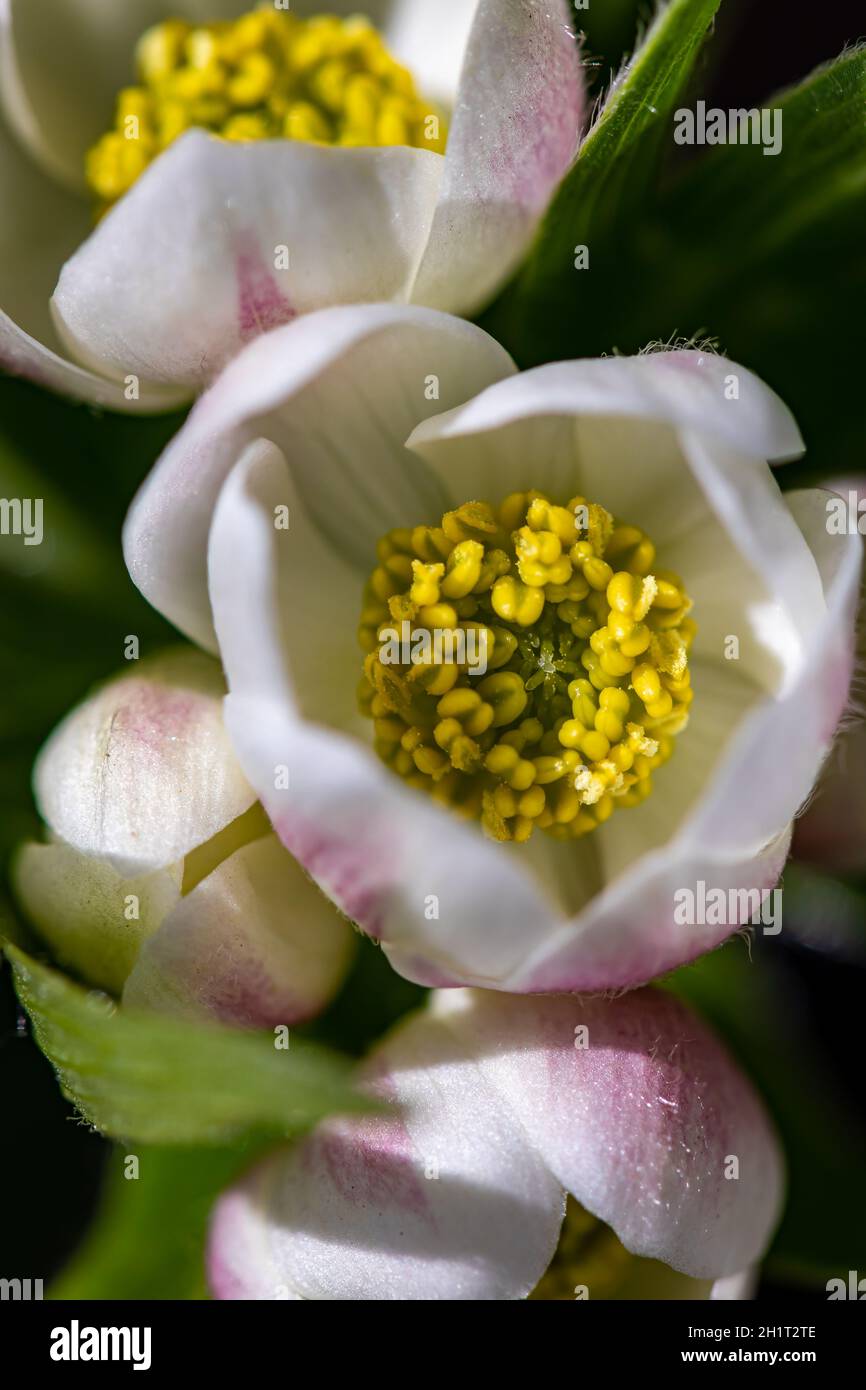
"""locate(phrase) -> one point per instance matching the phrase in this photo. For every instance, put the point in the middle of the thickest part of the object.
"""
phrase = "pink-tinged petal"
(456, 1192)
(93, 919)
(514, 132)
(254, 945)
(442, 1198)
(445, 903)
(24, 356)
(142, 771)
(630, 933)
(219, 241)
(639, 1112)
(338, 391)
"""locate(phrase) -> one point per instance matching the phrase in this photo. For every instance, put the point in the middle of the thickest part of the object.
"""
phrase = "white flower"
(331, 422)
(220, 238)
(494, 1112)
(162, 881)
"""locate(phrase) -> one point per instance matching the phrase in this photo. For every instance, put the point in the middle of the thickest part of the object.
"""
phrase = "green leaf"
(154, 1080)
(762, 254)
(754, 1006)
(147, 1241)
(616, 165)
(768, 253)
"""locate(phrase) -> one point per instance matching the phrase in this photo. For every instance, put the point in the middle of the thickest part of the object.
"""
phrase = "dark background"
(50, 1163)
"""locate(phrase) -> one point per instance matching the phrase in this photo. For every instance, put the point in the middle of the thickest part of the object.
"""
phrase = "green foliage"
(763, 254)
(155, 1080)
(754, 1005)
(148, 1237)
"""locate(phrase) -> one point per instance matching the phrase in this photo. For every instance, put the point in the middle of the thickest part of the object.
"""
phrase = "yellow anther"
(506, 693)
(303, 121)
(523, 775)
(646, 682)
(668, 595)
(431, 543)
(596, 572)
(502, 760)
(600, 528)
(472, 520)
(441, 615)
(532, 803)
(463, 569)
(266, 75)
(505, 802)
(516, 602)
(542, 516)
(594, 745)
(631, 595)
(580, 686)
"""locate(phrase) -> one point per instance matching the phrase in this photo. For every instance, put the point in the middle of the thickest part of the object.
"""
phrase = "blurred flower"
(162, 881)
(263, 516)
(502, 1106)
(220, 238)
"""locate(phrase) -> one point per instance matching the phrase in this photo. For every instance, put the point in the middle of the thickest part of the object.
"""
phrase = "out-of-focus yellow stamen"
(267, 75)
(590, 1262)
(585, 680)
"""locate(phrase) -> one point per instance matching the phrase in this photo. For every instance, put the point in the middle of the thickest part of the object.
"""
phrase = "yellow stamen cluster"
(588, 1257)
(267, 75)
(586, 650)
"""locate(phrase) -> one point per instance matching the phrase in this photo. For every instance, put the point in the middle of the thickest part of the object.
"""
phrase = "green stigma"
(268, 75)
(526, 664)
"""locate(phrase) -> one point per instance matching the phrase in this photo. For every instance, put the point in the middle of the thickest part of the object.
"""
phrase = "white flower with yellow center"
(249, 165)
(666, 638)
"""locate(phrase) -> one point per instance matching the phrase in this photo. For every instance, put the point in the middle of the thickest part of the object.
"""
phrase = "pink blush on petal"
(261, 303)
(351, 875)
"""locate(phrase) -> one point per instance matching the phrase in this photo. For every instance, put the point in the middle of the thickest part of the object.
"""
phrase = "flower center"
(524, 664)
(589, 1258)
(267, 75)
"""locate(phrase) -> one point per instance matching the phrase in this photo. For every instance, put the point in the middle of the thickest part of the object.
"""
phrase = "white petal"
(514, 132)
(495, 1098)
(40, 225)
(93, 920)
(142, 771)
(338, 391)
(189, 266)
(431, 41)
(637, 1118)
(445, 901)
(255, 944)
(355, 1212)
(735, 1287)
(702, 487)
(736, 835)
(782, 746)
